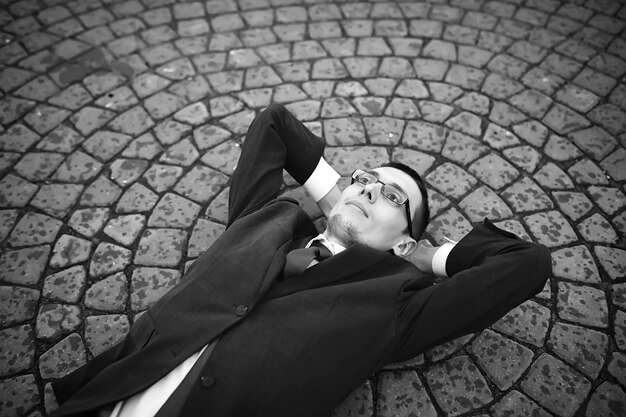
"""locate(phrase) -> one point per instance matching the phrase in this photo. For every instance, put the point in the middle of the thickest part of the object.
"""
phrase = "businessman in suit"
(275, 319)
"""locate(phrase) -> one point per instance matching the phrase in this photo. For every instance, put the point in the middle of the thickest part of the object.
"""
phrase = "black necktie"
(298, 260)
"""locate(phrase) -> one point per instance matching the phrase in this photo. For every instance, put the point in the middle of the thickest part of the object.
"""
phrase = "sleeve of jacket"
(491, 271)
(275, 140)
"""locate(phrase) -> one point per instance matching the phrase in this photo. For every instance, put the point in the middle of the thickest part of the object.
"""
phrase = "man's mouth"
(359, 206)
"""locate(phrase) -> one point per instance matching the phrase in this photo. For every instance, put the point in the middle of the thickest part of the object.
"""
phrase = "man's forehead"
(394, 176)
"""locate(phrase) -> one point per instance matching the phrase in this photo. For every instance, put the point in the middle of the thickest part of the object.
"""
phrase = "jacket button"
(241, 310)
(207, 381)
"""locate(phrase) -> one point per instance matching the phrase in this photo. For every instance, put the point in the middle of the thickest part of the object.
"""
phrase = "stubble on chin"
(342, 229)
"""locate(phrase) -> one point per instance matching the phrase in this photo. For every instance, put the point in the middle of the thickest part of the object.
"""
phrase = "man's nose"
(372, 191)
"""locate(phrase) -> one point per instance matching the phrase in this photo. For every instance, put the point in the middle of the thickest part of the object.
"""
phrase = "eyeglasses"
(391, 192)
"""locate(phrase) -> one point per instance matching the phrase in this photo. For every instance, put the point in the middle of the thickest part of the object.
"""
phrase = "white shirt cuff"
(440, 258)
(321, 181)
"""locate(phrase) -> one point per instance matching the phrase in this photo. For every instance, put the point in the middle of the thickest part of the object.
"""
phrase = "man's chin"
(343, 229)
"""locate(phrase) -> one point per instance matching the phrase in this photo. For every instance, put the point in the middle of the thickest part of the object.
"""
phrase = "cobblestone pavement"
(121, 122)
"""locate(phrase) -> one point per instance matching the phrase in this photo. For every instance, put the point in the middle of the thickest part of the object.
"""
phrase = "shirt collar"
(334, 248)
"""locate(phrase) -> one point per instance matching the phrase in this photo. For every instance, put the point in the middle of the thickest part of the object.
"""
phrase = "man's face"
(363, 215)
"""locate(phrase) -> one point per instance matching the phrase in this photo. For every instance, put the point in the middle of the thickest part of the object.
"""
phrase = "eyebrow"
(377, 175)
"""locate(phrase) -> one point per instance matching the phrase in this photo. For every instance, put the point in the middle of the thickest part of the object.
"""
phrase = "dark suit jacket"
(299, 346)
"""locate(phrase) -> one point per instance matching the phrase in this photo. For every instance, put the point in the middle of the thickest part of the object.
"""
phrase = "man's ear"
(404, 247)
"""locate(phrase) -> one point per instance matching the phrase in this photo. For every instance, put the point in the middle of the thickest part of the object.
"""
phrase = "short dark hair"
(422, 215)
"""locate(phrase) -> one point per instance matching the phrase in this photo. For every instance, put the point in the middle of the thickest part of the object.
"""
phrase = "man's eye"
(394, 197)
(366, 179)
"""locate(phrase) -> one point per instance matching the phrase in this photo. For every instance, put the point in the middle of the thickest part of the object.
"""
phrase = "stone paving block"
(44, 118)
(17, 349)
(424, 136)
(66, 285)
(211, 182)
(597, 229)
(619, 325)
(17, 138)
(542, 80)
(18, 304)
(127, 171)
(7, 220)
(133, 122)
(535, 133)
(594, 141)
(447, 349)
(563, 120)
(531, 102)
(552, 177)
(125, 229)
(224, 156)
(337, 107)
(34, 229)
(402, 108)
(555, 385)
(161, 247)
(62, 358)
(483, 203)
(149, 285)
(441, 50)
(501, 358)
(524, 157)
(617, 366)
(450, 224)
(430, 69)
(163, 104)
(78, 167)
(70, 250)
(608, 64)
(550, 228)
(403, 394)
(102, 332)
(575, 263)
(613, 260)
(108, 258)
(451, 180)
(238, 123)
(517, 403)
(15, 192)
(19, 394)
(170, 131)
(205, 233)
(394, 67)
(162, 177)
(137, 198)
(56, 320)
(581, 347)
(419, 161)
(586, 172)
(344, 159)
(494, 171)
(24, 266)
(62, 139)
(462, 148)
(458, 386)
(435, 112)
(582, 304)
(474, 102)
(442, 92)
(56, 199)
(498, 137)
(89, 119)
(108, 295)
(101, 192)
(173, 211)
(607, 400)
(12, 108)
(505, 115)
(465, 122)
(526, 323)
(614, 164)
(609, 117)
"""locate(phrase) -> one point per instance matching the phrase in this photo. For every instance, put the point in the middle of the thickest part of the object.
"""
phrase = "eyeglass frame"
(406, 202)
